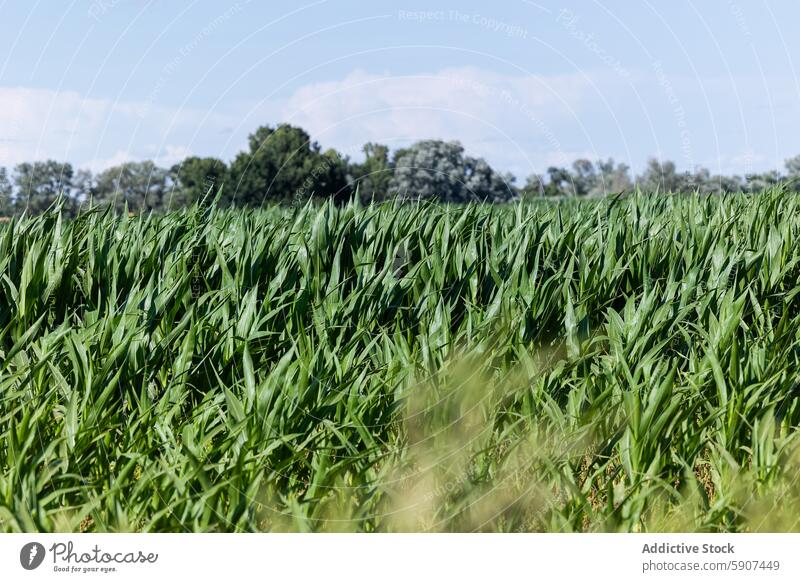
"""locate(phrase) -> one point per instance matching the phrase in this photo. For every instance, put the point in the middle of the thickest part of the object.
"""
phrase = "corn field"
(621, 364)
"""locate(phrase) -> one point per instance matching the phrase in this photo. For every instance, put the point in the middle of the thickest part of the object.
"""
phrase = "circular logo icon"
(31, 555)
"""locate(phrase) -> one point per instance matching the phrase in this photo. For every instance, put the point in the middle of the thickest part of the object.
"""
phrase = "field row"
(620, 364)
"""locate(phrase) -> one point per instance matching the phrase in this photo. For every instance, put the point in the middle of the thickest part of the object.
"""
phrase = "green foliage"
(139, 186)
(194, 177)
(661, 177)
(84, 186)
(586, 179)
(560, 183)
(284, 165)
(6, 193)
(793, 168)
(373, 176)
(439, 170)
(609, 364)
(40, 184)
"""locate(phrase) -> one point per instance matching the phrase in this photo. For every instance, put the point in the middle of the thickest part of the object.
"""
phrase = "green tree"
(664, 177)
(6, 191)
(793, 172)
(755, 183)
(84, 186)
(704, 182)
(194, 177)
(142, 185)
(793, 167)
(483, 183)
(284, 165)
(728, 183)
(584, 177)
(435, 169)
(534, 186)
(372, 177)
(39, 184)
(559, 182)
(611, 179)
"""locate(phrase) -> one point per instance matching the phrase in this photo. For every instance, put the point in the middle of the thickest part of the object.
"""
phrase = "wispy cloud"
(477, 107)
(519, 122)
(39, 122)
(64, 125)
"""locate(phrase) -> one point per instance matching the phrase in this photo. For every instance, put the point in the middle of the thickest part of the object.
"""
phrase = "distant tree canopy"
(39, 184)
(585, 179)
(604, 177)
(195, 177)
(661, 177)
(371, 178)
(434, 169)
(793, 168)
(284, 165)
(6, 192)
(141, 186)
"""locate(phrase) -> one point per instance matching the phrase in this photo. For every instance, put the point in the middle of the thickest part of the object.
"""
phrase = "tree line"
(283, 165)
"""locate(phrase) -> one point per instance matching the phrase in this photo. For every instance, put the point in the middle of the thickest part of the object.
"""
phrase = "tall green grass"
(626, 364)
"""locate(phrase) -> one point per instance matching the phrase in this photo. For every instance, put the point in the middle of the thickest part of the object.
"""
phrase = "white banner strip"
(417, 557)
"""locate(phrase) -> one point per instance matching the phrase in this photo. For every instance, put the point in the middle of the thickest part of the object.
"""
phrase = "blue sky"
(524, 84)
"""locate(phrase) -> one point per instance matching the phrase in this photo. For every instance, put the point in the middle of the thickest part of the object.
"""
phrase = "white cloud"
(492, 114)
(519, 122)
(164, 157)
(172, 154)
(37, 124)
(516, 121)
(97, 165)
